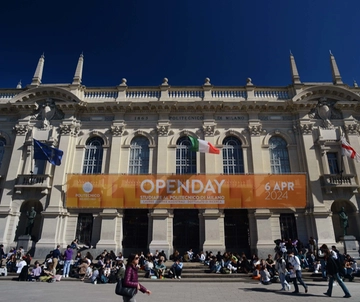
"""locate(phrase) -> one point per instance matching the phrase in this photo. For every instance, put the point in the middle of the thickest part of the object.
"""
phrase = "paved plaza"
(177, 291)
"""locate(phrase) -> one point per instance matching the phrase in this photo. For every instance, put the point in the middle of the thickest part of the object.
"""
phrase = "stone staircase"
(197, 272)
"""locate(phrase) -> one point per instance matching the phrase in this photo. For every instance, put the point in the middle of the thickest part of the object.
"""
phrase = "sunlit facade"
(126, 130)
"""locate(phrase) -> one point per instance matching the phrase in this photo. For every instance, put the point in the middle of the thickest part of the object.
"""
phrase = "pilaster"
(265, 241)
(255, 130)
(162, 230)
(163, 128)
(211, 160)
(110, 221)
(213, 231)
(117, 130)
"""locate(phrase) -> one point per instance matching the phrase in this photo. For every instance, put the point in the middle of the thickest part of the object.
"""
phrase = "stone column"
(52, 232)
(111, 228)
(214, 229)
(9, 215)
(117, 129)
(324, 228)
(162, 230)
(163, 128)
(211, 160)
(264, 227)
(255, 129)
(313, 169)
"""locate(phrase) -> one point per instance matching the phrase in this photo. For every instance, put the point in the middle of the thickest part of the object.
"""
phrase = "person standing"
(280, 266)
(295, 265)
(131, 277)
(55, 258)
(333, 270)
(67, 261)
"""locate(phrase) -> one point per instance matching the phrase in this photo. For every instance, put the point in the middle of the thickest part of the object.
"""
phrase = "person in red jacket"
(131, 277)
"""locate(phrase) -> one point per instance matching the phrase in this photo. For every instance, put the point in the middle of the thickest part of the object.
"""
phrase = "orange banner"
(186, 191)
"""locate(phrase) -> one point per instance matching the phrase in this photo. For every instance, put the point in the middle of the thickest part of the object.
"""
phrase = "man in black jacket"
(332, 269)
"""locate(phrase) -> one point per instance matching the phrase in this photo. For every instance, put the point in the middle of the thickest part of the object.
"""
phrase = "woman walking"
(332, 270)
(131, 277)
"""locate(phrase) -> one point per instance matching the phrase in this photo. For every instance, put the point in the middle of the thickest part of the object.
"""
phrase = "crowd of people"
(291, 256)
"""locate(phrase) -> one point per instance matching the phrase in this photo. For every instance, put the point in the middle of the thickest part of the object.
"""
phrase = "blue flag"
(45, 152)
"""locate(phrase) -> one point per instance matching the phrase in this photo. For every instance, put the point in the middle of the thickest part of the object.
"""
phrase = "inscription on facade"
(200, 118)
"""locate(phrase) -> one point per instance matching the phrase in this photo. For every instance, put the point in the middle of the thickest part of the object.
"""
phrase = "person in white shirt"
(20, 265)
(295, 264)
(280, 266)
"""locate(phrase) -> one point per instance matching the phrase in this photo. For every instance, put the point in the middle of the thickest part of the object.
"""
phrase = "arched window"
(233, 162)
(139, 156)
(279, 156)
(93, 155)
(185, 158)
(2, 148)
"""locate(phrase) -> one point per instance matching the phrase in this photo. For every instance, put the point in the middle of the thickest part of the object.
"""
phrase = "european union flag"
(45, 152)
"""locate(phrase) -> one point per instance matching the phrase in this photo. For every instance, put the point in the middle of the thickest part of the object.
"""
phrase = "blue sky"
(185, 41)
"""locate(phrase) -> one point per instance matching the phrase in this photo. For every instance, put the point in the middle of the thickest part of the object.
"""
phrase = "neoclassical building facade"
(132, 138)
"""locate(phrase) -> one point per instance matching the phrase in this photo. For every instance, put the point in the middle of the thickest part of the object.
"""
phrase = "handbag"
(124, 291)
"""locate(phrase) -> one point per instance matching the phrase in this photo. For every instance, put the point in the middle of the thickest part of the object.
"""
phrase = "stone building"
(114, 138)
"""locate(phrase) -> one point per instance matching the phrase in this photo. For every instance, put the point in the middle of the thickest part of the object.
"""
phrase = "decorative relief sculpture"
(21, 129)
(352, 128)
(70, 129)
(209, 130)
(117, 130)
(255, 130)
(162, 130)
(47, 111)
(306, 128)
(325, 111)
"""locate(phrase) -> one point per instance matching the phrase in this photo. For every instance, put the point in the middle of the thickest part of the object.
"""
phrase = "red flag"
(349, 151)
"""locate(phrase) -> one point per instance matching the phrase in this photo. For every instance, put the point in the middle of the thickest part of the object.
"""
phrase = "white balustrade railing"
(101, 93)
(279, 94)
(145, 93)
(7, 95)
(228, 93)
(186, 93)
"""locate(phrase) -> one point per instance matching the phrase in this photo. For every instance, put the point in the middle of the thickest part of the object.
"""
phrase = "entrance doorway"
(135, 232)
(186, 230)
(237, 232)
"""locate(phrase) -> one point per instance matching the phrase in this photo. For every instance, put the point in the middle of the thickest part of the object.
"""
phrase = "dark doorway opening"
(186, 230)
(135, 230)
(237, 232)
(288, 226)
(84, 228)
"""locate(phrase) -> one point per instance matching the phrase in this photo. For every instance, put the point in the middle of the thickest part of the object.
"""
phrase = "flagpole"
(341, 169)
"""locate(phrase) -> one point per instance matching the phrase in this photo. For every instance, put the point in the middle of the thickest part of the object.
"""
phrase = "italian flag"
(202, 146)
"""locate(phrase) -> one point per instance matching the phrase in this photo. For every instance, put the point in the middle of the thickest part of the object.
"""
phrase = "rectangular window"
(333, 163)
(288, 226)
(39, 166)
